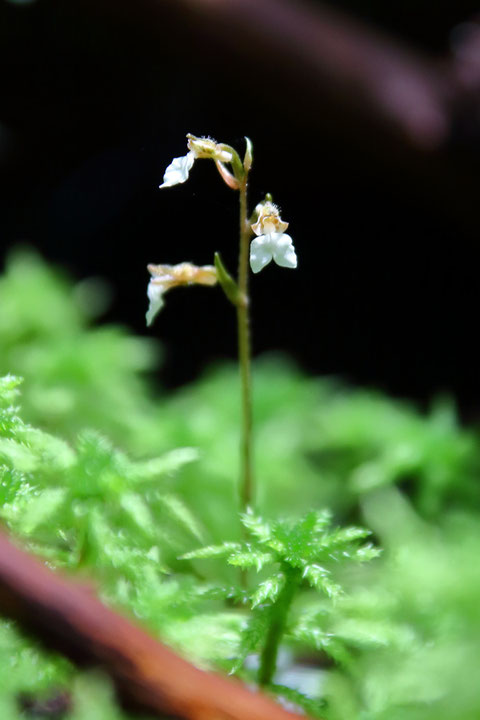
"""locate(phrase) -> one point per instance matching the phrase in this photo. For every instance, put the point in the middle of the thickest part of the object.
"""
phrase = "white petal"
(283, 251)
(178, 170)
(155, 293)
(261, 253)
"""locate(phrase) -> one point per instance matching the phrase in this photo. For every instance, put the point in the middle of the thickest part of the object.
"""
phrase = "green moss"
(104, 475)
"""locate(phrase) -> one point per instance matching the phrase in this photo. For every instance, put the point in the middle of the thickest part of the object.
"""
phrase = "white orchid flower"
(179, 169)
(165, 277)
(272, 243)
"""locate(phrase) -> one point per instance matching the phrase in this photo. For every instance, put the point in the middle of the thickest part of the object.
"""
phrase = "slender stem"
(279, 613)
(244, 356)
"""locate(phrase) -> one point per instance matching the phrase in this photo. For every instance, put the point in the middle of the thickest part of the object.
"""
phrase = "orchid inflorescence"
(262, 238)
(270, 242)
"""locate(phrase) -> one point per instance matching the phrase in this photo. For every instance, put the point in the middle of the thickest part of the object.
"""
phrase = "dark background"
(95, 101)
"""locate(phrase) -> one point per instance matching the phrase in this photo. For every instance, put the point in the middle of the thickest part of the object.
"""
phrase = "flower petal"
(178, 170)
(283, 250)
(155, 293)
(260, 253)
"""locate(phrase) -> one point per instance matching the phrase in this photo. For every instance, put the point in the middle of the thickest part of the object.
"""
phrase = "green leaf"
(313, 635)
(319, 578)
(17, 454)
(180, 512)
(250, 558)
(9, 384)
(343, 536)
(252, 638)
(314, 708)
(52, 452)
(42, 509)
(229, 286)
(167, 464)
(211, 551)
(137, 509)
(268, 590)
(256, 526)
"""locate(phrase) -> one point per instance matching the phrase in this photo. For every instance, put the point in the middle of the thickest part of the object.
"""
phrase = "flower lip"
(272, 246)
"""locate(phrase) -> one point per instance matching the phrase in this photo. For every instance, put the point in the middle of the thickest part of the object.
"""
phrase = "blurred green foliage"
(78, 376)
(412, 622)
(104, 475)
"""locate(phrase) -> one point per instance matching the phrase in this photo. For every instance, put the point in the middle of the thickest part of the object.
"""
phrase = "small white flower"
(272, 242)
(165, 277)
(179, 169)
(276, 246)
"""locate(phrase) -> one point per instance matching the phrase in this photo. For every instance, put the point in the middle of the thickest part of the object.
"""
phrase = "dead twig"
(300, 54)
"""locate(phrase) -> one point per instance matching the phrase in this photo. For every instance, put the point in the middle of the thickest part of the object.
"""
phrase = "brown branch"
(316, 73)
(312, 72)
(338, 55)
(147, 674)
(300, 54)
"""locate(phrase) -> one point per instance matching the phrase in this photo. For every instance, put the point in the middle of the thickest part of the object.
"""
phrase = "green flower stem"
(244, 356)
(279, 614)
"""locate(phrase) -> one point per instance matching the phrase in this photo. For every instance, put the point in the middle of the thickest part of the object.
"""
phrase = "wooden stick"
(148, 675)
(303, 55)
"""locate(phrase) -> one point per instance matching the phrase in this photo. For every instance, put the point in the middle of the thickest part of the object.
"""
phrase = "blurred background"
(365, 119)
